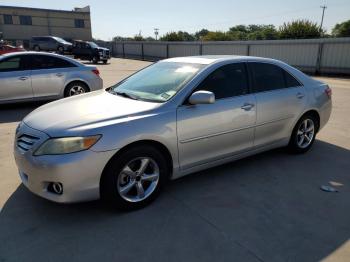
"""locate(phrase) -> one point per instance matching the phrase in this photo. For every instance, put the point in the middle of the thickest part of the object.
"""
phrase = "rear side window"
(290, 80)
(49, 62)
(226, 81)
(266, 77)
(16, 63)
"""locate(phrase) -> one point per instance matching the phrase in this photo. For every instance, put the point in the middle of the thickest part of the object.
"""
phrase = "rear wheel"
(134, 178)
(75, 88)
(95, 60)
(105, 61)
(304, 134)
(60, 50)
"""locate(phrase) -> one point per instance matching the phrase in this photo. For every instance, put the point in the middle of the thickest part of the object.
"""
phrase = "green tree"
(217, 36)
(300, 29)
(342, 29)
(200, 34)
(178, 36)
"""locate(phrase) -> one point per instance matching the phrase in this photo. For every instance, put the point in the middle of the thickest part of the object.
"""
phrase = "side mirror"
(202, 97)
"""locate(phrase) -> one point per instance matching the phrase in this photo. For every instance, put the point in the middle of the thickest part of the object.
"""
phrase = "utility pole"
(323, 9)
(156, 32)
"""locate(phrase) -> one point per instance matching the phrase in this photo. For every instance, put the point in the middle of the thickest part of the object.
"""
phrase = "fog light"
(55, 187)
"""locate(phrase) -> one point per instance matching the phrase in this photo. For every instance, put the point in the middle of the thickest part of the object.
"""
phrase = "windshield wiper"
(123, 94)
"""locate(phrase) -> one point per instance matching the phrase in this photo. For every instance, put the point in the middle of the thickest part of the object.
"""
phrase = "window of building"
(226, 81)
(8, 20)
(25, 20)
(79, 23)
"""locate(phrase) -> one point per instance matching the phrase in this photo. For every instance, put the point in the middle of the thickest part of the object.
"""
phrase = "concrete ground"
(267, 207)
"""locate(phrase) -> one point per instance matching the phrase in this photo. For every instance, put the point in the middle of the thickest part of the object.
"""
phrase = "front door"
(210, 132)
(15, 80)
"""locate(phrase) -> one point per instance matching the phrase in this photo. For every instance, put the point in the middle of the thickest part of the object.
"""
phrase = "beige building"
(19, 24)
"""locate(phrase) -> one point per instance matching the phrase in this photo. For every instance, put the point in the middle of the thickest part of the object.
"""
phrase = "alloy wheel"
(76, 90)
(305, 133)
(138, 179)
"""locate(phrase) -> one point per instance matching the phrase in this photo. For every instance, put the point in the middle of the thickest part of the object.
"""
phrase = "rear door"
(209, 132)
(49, 75)
(280, 100)
(15, 80)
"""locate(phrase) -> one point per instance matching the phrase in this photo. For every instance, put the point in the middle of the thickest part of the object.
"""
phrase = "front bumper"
(79, 173)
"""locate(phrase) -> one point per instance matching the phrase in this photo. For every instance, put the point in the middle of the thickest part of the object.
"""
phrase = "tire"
(75, 88)
(60, 50)
(105, 61)
(304, 134)
(95, 60)
(36, 48)
(122, 189)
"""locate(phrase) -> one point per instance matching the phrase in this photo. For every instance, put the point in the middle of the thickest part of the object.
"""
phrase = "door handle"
(59, 74)
(300, 95)
(247, 106)
(23, 78)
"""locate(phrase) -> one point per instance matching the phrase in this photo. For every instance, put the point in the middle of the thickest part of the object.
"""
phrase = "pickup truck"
(86, 50)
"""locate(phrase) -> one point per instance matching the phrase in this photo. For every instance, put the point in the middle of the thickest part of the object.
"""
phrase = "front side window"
(49, 62)
(25, 20)
(8, 20)
(12, 64)
(226, 81)
(158, 82)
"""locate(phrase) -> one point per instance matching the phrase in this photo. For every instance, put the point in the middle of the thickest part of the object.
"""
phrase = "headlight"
(65, 145)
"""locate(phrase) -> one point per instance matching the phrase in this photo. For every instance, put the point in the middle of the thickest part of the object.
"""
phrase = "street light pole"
(324, 8)
(156, 32)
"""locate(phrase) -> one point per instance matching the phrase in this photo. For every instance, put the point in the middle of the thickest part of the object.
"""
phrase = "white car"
(29, 76)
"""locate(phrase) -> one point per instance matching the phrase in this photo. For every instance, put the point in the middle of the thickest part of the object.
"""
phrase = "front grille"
(26, 142)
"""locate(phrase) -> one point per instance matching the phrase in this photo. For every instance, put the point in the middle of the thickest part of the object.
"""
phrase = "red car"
(4, 49)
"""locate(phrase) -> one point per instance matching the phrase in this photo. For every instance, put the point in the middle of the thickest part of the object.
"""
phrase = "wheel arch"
(153, 143)
(73, 81)
(315, 114)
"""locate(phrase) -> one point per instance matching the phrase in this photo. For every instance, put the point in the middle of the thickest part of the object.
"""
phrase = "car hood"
(84, 113)
(103, 48)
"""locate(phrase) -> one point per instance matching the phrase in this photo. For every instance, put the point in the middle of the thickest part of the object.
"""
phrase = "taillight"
(96, 72)
(328, 91)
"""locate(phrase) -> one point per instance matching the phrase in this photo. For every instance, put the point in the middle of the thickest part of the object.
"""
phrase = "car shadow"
(267, 207)
(16, 112)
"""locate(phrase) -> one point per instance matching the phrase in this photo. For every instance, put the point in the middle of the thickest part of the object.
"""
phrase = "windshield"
(93, 45)
(158, 82)
(59, 39)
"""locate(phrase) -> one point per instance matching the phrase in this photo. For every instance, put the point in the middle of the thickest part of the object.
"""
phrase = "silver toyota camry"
(170, 119)
(29, 76)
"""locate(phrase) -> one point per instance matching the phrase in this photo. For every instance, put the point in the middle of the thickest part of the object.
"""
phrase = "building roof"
(44, 9)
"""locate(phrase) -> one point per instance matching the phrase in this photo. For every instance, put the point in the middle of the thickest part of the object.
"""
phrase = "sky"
(128, 17)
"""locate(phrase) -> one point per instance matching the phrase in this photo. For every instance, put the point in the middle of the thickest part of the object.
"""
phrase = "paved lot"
(265, 208)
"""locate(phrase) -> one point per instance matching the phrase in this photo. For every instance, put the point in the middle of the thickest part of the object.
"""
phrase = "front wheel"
(304, 134)
(134, 178)
(95, 60)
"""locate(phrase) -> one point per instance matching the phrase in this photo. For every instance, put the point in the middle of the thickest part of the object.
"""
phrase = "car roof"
(211, 59)
(41, 53)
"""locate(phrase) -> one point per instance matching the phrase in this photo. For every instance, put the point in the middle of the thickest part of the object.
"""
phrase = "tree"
(216, 36)
(342, 29)
(200, 34)
(177, 36)
(300, 29)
